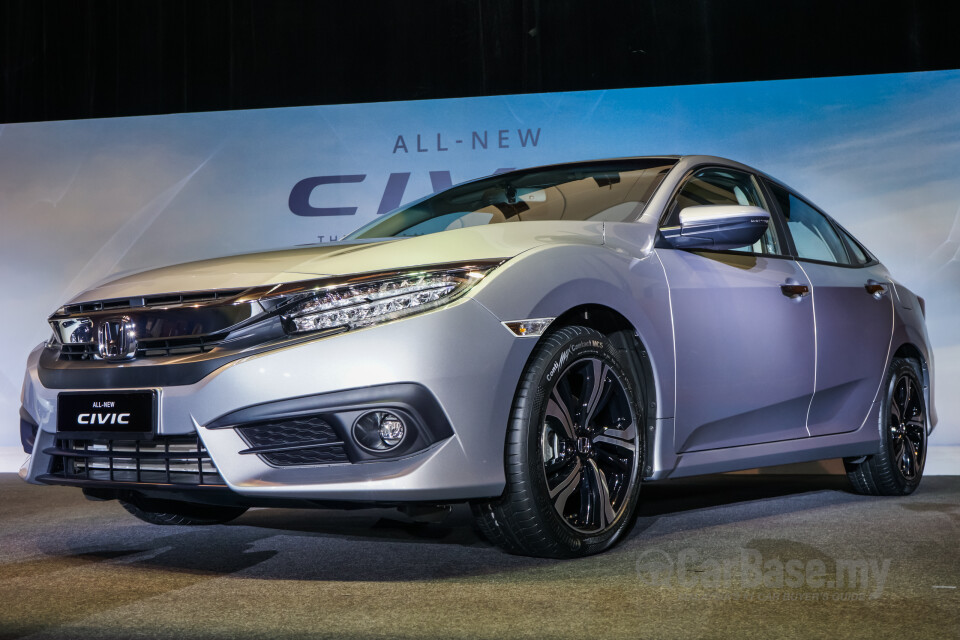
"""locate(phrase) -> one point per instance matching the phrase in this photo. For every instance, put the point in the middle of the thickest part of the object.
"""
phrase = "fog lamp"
(392, 430)
(379, 430)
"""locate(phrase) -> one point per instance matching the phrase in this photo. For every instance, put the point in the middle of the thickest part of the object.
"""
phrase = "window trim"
(872, 261)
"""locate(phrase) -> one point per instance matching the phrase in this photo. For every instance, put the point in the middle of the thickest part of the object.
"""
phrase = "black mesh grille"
(78, 351)
(327, 455)
(165, 460)
(288, 442)
(293, 431)
(178, 346)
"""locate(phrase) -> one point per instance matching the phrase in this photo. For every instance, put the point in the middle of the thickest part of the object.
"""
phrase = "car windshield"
(613, 192)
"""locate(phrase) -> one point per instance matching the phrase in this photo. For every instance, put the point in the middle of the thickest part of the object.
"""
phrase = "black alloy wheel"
(588, 445)
(907, 426)
(574, 450)
(897, 468)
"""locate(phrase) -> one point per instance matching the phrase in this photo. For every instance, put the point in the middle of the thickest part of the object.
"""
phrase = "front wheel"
(897, 468)
(574, 451)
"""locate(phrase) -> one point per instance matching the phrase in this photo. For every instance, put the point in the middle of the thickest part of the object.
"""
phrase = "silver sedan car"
(537, 343)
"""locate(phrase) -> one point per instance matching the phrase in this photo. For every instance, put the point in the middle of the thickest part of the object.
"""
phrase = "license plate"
(112, 412)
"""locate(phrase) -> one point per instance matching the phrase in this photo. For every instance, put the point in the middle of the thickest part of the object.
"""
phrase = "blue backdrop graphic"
(81, 200)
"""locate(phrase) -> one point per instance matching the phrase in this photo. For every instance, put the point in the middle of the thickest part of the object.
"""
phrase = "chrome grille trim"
(148, 348)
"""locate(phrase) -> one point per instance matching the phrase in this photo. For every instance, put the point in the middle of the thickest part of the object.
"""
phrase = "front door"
(743, 330)
(745, 350)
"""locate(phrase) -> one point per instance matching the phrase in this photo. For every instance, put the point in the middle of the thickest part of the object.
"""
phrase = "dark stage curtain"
(98, 58)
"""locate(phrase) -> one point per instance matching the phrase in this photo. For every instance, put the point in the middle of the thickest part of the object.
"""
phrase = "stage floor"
(737, 556)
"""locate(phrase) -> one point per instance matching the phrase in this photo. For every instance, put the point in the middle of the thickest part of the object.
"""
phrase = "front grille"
(149, 348)
(178, 346)
(162, 300)
(298, 441)
(78, 351)
(178, 460)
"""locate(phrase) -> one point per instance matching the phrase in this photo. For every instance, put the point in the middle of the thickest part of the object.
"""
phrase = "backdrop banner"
(83, 200)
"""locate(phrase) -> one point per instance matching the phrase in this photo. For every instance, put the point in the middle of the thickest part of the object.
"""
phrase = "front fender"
(548, 281)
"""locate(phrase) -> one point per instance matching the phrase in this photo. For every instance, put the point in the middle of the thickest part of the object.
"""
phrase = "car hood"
(345, 258)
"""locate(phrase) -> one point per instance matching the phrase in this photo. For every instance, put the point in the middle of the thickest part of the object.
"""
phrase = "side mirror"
(718, 226)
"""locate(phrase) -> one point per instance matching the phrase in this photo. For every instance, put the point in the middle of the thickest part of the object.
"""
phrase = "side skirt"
(863, 441)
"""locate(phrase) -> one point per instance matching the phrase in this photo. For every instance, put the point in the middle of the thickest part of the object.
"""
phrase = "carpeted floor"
(748, 556)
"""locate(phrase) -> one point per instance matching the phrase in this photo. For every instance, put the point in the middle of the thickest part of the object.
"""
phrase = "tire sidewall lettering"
(570, 354)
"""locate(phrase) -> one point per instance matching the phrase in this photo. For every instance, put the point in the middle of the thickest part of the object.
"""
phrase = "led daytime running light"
(367, 303)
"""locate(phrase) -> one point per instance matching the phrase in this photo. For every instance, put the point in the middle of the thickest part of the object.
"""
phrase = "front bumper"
(460, 354)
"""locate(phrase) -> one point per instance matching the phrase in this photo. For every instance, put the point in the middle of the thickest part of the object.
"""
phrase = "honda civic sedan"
(537, 344)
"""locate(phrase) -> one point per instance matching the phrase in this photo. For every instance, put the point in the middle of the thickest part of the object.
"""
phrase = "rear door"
(853, 310)
(743, 328)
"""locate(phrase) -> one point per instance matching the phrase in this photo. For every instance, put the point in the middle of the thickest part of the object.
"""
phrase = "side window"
(813, 235)
(856, 252)
(724, 186)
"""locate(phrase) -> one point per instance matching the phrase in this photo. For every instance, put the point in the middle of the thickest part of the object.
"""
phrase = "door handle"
(876, 289)
(794, 290)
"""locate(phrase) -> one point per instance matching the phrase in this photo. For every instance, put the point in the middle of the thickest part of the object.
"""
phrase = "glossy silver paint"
(744, 375)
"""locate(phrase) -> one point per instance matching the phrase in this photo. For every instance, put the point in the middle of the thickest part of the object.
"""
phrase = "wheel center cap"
(584, 446)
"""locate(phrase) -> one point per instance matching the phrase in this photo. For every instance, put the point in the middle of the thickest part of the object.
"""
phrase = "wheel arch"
(625, 338)
(910, 351)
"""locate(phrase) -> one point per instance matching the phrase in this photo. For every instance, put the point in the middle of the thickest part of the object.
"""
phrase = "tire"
(896, 470)
(574, 451)
(167, 512)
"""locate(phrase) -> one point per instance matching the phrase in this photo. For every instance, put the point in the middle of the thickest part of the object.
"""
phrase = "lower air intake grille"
(288, 442)
(292, 431)
(328, 455)
(179, 460)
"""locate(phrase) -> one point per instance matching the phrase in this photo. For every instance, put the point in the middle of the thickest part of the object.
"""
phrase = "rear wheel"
(896, 470)
(157, 511)
(573, 452)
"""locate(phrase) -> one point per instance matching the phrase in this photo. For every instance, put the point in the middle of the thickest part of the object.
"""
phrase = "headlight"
(372, 301)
